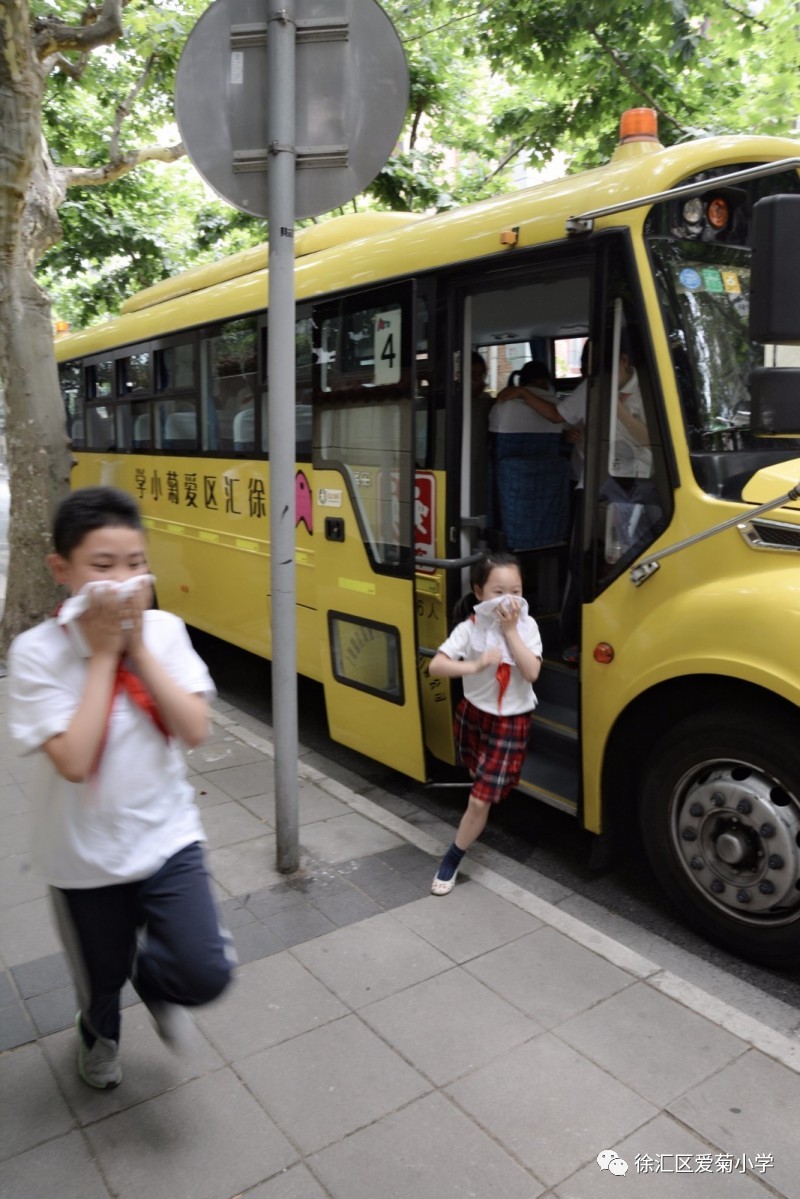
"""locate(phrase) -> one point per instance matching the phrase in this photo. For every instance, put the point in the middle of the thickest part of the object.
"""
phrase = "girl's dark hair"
(529, 374)
(478, 576)
(91, 508)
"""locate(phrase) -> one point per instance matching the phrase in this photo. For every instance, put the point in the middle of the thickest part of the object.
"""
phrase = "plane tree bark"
(31, 189)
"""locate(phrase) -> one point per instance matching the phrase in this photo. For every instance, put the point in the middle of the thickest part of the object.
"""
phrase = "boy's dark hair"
(91, 508)
(479, 573)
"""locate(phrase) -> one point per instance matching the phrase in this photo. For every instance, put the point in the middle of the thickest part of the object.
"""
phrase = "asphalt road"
(623, 901)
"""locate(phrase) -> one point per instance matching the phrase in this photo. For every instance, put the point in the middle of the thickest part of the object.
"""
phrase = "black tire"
(720, 819)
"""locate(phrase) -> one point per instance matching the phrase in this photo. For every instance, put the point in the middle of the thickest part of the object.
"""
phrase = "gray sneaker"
(99, 1066)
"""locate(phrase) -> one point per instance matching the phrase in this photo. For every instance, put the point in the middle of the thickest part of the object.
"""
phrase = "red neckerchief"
(503, 676)
(126, 680)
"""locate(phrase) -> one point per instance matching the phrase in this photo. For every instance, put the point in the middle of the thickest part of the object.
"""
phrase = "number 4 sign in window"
(387, 347)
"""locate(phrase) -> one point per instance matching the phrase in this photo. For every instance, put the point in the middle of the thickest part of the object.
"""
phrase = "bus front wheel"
(720, 821)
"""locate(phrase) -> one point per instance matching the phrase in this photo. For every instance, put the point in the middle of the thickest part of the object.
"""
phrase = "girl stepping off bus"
(497, 651)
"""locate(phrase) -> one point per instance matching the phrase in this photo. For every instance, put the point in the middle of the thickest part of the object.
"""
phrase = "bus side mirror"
(775, 271)
(775, 401)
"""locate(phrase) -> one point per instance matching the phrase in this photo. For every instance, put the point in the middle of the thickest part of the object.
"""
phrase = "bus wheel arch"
(719, 816)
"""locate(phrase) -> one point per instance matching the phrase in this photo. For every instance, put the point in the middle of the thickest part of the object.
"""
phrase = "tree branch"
(445, 25)
(73, 69)
(746, 16)
(51, 36)
(612, 54)
(507, 159)
(124, 108)
(123, 165)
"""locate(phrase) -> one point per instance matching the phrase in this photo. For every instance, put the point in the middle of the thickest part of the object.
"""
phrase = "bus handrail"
(451, 563)
(584, 222)
(649, 565)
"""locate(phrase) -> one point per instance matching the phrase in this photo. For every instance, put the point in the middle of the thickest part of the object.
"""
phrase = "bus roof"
(360, 249)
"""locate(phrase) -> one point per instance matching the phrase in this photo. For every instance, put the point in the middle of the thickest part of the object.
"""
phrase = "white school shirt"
(481, 689)
(515, 416)
(139, 808)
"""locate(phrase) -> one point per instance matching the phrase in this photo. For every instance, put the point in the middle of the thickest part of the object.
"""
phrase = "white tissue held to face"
(77, 604)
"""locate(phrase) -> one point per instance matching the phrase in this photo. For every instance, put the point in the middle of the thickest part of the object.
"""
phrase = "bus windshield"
(704, 291)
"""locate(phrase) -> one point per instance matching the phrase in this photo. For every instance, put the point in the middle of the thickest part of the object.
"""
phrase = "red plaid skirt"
(493, 749)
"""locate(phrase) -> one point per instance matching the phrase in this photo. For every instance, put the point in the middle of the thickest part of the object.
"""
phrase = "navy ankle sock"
(450, 863)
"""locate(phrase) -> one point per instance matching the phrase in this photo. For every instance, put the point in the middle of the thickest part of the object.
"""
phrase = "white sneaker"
(99, 1066)
(174, 1025)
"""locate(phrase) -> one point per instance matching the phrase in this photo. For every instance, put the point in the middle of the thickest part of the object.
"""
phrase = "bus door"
(362, 511)
(518, 473)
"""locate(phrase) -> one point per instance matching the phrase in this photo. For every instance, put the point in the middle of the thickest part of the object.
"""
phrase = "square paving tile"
(380, 882)
(204, 1140)
(548, 976)
(227, 823)
(750, 1107)
(549, 1106)
(16, 1026)
(449, 1025)
(333, 840)
(297, 924)
(207, 793)
(27, 932)
(53, 1010)
(43, 974)
(368, 961)
(325, 1084)
(665, 1161)
(248, 866)
(429, 1150)
(346, 907)
(13, 799)
(254, 941)
(468, 922)
(223, 755)
(16, 833)
(62, 1168)
(256, 777)
(296, 1183)
(651, 1043)
(38, 1111)
(19, 882)
(270, 1001)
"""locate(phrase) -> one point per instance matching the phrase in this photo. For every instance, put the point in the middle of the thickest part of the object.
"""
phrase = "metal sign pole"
(281, 31)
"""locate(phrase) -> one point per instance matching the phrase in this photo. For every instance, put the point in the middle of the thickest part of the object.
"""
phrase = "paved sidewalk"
(379, 1043)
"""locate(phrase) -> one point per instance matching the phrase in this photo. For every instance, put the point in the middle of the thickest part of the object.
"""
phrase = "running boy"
(108, 690)
(497, 651)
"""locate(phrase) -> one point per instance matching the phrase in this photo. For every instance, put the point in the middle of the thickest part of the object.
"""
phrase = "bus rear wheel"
(720, 820)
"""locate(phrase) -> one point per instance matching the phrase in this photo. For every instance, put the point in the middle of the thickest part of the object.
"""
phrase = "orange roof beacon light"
(62, 326)
(638, 125)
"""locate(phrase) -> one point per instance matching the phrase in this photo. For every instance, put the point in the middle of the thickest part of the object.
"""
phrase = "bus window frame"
(618, 279)
(400, 294)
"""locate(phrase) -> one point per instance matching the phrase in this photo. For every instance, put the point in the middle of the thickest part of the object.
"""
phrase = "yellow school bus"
(677, 713)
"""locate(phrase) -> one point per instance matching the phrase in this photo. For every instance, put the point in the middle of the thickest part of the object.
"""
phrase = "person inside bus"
(570, 412)
(482, 402)
(529, 495)
(510, 413)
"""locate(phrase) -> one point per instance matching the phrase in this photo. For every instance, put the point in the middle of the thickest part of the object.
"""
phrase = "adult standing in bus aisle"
(497, 652)
(570, 411)
(104, 691)
(482, 402)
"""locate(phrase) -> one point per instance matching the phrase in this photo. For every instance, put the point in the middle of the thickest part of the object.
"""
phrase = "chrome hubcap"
(737, 834)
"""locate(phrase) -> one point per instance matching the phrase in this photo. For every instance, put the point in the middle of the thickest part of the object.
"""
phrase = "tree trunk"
(38, 452)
